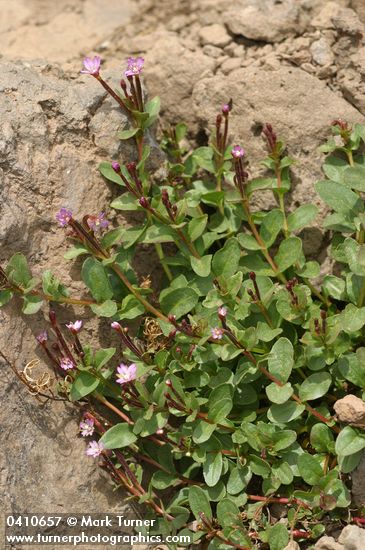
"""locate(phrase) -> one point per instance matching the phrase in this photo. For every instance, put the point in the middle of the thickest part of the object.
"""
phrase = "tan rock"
(351, 409)
(214, 34)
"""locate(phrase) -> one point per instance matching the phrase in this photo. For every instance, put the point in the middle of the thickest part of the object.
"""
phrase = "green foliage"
(240, 350)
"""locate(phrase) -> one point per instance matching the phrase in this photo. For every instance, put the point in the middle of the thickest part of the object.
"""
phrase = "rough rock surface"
(279, 61)
(351, 409)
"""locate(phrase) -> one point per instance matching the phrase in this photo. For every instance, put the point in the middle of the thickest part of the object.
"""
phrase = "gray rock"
(328, 543)
(264, 20)
(321, 52)
(352, 537)
(358, 483)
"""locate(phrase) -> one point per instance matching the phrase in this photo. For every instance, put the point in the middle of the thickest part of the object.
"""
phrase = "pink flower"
(66, 363)
(42, 337)
(115, 325)
(126, 374)
(226, 109)
(92, 65)
(222, 311)
(237, 152)
(134, 66)
(97, 222)
(63, 216)
(75, 327)
(95, 448)
(86, 427)
(217, 333)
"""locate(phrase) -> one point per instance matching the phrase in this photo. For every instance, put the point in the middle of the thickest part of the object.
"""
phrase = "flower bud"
(144, 202)
(116, 166)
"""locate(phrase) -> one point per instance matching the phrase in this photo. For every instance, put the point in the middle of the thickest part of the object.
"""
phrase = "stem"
(161, 257)
(137, 295)
(361, 294)
(282, 208)
(264, 250)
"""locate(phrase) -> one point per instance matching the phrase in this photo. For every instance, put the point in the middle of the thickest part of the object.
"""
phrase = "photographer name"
(115, 521)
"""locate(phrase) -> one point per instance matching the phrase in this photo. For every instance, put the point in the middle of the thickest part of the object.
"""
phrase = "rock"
(43, 464)
(358, 483)
(359, 7)
(328, 543)
(323, 19)
(321, 52)
(216, 35)
(212, 51)
(264, 20)
(174, 70)
(258, 97)
(352, 537)
(230, 65)
(292, 546)
(52, 32)
(351, 409)
(48, 161)
(353, 89)
(347, 22)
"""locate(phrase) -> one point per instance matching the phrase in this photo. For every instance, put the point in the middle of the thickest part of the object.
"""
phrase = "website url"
(83, 538)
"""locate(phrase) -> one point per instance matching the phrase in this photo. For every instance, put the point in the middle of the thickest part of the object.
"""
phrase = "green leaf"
(52, 286)
(354, 177)
(339, 197)
(18, 271)
(159, 233)
(278, 536)
(202, 431)
(96, 279)
(351, 367)
(131, 308)
(119, 436)
(112, 237)
(153, 106)
(220, 403)
(289, 252)
(310, 469)
(226, 260)
(201, 266)
(279, 394)
(238, 479)
(5, 297)
(227, 512)
(31, 304)
(127, 134)
(281, 414)
(350, 441)
(179, 301)
(352, 318)
(126, 201)
(204, 158)
(315, 386)
(334, 287)
(102, 356)
(302, 217)
(106, 170)
(199, 502)
(212, 468)
(196, 227)
(281, 359)
(321, 438)
(75, 251)
(84, 384)
(105, 309)
(271, 226)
